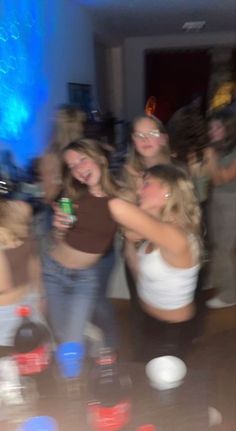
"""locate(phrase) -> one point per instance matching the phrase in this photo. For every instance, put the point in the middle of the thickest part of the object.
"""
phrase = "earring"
(167, 195)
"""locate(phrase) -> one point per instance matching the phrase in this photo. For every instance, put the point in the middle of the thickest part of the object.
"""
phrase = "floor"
(213, 349)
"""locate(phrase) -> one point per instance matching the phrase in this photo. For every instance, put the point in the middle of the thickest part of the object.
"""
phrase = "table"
(217, 353)
(182, 409)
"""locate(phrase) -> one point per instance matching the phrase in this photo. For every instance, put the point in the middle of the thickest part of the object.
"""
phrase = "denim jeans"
(104, 314)
(71, 297)
(222, 227)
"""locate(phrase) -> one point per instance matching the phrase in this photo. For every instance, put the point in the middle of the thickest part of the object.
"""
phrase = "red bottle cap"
(23, 311)
(147, 427)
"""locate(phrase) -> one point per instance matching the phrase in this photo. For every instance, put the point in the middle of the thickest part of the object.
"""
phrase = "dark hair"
(228, 121)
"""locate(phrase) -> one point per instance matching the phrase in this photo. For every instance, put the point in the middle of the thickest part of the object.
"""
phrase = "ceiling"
(119, 19)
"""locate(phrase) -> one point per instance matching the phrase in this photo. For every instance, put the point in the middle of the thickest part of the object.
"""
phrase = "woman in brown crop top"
(20, 275)
(71, 270)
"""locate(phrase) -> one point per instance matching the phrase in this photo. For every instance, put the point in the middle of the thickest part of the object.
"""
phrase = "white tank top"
(164, 286)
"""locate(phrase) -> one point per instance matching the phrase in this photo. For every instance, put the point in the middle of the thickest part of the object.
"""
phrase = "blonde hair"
(69, 125)
(182, 205)
(90, 148)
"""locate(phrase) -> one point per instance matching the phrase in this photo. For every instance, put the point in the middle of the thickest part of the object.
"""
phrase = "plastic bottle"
(109, 407)
(18, 395)
(32, 344)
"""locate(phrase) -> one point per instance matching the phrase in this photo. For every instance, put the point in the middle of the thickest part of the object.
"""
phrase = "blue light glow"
(22, 86)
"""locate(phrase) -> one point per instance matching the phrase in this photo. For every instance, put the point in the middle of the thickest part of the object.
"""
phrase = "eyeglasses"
(142, 135)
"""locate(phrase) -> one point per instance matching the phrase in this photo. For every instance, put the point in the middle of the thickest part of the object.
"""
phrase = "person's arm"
(35, 279)
(218, 174)
(164, 235)
(50, 176)
(5, 276)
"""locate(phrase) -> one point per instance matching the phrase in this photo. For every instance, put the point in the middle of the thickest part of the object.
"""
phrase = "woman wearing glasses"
(149, 147)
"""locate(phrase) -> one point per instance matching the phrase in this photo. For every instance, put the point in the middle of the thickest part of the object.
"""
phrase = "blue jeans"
(104, 314)
(71, 296)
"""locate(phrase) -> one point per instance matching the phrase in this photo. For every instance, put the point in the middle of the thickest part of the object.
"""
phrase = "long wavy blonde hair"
(68, 126)
(182, 206)
(91, 148)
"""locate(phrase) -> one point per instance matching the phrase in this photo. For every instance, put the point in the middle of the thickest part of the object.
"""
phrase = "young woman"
(220, 162)
(72, 272)
(20, 270)
(167, 262)
(149, 147)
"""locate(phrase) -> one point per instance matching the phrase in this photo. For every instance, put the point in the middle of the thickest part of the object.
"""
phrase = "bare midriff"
(72, 258)
(173, 316)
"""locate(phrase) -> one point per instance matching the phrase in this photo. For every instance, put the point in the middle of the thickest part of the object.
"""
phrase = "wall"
(134, 51)
(102, 78)
(68, 57)
(116, 82)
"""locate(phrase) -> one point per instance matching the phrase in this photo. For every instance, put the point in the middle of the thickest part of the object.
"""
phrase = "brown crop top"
(94, 229)
(18, 258)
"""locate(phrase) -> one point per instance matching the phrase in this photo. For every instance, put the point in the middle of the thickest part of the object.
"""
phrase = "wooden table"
(180, 409)
(211, 380)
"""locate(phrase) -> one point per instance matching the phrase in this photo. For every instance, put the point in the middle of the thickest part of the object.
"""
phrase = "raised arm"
(164, 235)
(5, 276)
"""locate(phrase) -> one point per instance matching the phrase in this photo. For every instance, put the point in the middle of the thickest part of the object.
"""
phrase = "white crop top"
(162, 285)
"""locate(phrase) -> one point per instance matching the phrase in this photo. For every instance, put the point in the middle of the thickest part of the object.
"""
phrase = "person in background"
(187, 126)
(68, 126)
(220, 161)
(199, 175)
(72, 274)
(149, 147)
(167, 223)
(20, 268)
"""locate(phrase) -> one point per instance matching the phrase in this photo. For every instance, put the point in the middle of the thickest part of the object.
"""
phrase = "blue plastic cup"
(69, 357)
(39, 423)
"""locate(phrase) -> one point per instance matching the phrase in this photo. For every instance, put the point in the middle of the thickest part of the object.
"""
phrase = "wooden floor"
(213, 349)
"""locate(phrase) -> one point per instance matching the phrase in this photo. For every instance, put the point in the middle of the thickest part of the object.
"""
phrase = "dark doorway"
(174, 77)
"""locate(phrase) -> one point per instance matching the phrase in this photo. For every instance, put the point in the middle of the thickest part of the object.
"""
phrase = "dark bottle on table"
(32, 344)
(109, 407)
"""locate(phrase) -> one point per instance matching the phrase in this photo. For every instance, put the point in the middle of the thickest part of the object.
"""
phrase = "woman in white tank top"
(168, 226)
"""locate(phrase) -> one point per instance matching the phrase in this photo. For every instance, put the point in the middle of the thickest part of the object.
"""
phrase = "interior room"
(108, 59)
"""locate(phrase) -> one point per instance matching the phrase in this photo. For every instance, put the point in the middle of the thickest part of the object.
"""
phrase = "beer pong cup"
(39, 423)
(69, 358)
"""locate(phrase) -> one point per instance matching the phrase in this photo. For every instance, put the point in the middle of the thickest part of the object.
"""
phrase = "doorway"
(175, 77)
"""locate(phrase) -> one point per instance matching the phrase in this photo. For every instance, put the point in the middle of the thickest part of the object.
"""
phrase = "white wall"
(68, 57)
(116, 81)
(134, 52)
